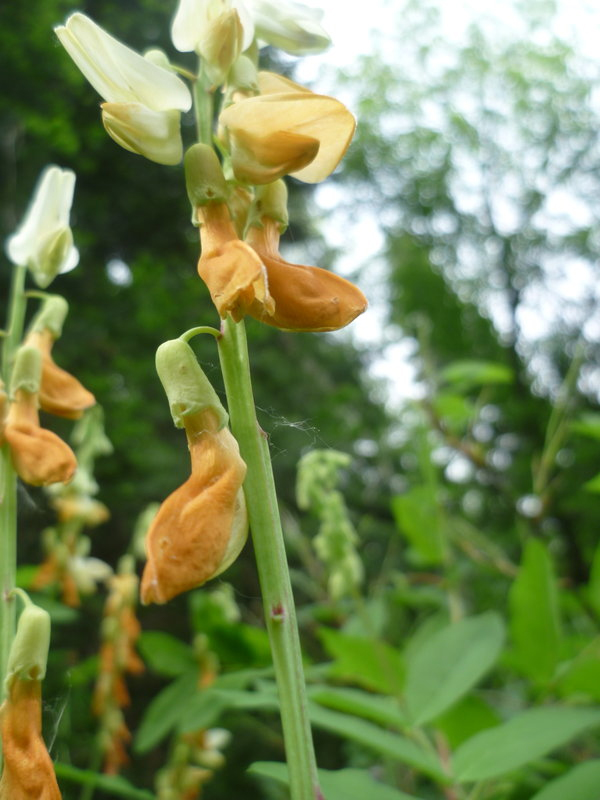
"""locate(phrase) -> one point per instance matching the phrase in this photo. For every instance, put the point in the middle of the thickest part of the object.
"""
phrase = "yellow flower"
(28, 773)
(235, 275)
(287, 129)
(201, 527)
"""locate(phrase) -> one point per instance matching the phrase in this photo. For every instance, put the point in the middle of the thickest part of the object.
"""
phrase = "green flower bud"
(51, 316)
(27, 371)
(204, 177)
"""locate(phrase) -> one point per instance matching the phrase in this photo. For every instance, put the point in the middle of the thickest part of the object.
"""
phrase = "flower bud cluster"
(335, 543)
(68, 564)
(120, 631)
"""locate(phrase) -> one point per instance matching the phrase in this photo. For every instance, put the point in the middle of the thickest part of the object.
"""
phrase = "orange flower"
(39, 456)
(235, 275)
(201, 527)
(306, 298)
(60, 392)
(28, 773)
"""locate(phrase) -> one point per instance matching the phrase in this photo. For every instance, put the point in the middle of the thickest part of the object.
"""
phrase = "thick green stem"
(203, 109)
(267, 536)
(8, 482)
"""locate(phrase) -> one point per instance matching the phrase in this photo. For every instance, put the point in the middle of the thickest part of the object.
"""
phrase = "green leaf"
(466, 375)
(521, 740)
(535, 623)
(165, 654)
(206, 706)
(390, 745)
(379, 709)
(455, 410)
(113, 785)
(593, 587)
(580, 783)
(341, 784)
(448, 664)
(469, 716)
(165, 711)
(582, 676)
(417, 517)
(368, 662)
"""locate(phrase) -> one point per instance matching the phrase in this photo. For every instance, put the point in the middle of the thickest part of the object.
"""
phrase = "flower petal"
(119, 74)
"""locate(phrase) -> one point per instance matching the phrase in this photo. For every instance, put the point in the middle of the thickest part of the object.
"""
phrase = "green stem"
(267, 536)
(203, 109)
(8, 482)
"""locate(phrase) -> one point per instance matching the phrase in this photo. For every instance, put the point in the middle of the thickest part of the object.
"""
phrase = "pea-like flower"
(306, 298)
(234, 273)
(202, 526)
(287, 129)
(217, 30)
(39, 456)
(44, 241)
(60, 392)
(291, 26)
(27, 772)
(143, 99)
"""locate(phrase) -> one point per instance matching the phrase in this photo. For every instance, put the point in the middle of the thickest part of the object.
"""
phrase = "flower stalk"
(8, 481)
(267, 537)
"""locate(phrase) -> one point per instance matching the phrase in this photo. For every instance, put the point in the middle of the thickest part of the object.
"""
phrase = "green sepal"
(187, 388)
(27, 371)
(270, 201)
(51, 316)
(29, 650)
(204, 177)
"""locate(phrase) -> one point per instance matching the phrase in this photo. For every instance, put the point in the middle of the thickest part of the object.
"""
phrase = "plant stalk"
(267, 536)
(8, 482)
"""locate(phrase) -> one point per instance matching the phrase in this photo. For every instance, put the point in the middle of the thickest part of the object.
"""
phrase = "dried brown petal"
(234, 274)
(39, 456)
(28, 773)
(306, 298)
(61, 393)
(189, 540)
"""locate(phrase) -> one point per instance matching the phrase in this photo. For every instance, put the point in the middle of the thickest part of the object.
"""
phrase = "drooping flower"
(143, 99)
(28, 773)
(287, 129)
(60, 392)
(306, 298)
(39, 456)
(201, 527)
(234, 273)
(44, 241)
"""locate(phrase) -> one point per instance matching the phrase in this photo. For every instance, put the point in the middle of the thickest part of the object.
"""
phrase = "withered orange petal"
(236, 278)
(28, 773)
(39, 456)
(188, 539)
(61, 393)
(308, 298)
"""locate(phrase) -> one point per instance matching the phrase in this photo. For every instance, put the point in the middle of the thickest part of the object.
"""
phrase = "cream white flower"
(291, 26)
(150, 97)
(194, 18)
(44, 241)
